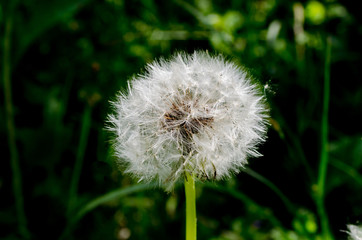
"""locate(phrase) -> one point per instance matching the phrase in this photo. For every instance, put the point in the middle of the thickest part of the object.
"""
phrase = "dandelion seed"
(192, 114)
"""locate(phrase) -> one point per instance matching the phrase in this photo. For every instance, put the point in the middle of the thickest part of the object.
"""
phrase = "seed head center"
(182, 120)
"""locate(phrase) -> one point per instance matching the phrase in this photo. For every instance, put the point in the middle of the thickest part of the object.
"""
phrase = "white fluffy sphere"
(196, 113)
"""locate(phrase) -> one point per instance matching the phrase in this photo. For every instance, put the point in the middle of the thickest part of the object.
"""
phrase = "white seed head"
(355, 232)
(192, 113)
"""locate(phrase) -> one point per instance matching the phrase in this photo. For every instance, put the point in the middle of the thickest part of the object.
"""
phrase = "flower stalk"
(191, 219)
(323, 165)
(11, 129)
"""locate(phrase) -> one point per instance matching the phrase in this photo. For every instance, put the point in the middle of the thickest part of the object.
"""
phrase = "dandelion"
(194, 113)
(192, 116)
(355, 232)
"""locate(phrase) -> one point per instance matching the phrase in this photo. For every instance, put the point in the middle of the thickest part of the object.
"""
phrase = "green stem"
(324, 151)
(252, 206)
(190, 207)
(349, 170)
(86, 122)
(108, 197)
(293, 144)
(289, 205)
(14, 156)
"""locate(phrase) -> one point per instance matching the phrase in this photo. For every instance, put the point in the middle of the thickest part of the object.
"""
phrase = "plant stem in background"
(326, 232)
(190, 207)
(289, 205)
(257, 210)
(86, 122)
(348, 170)
(108, 197)
(14, 157)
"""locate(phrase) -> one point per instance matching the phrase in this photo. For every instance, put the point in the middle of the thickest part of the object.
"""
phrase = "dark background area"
(69, 58)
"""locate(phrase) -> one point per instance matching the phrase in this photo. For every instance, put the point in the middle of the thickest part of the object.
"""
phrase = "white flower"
(355, 232)
(194, 113)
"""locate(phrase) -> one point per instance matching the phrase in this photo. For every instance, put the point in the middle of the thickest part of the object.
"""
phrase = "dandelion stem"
(190, 207)
(326, 232)
(14, 157)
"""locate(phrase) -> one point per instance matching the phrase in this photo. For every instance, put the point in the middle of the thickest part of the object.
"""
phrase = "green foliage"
(69, 58)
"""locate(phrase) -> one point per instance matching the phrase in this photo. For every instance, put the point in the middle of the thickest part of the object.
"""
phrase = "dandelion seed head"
(355, 232)
(192, 113)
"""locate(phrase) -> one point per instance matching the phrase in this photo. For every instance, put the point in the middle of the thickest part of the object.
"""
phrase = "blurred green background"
(62, 61)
